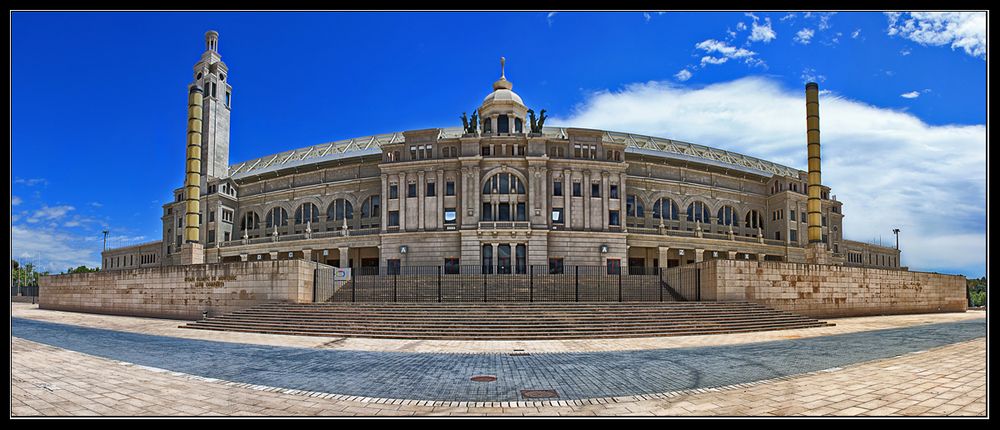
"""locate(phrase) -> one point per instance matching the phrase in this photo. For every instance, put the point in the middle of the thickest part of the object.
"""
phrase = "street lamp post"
(896, 232)
(105, 239)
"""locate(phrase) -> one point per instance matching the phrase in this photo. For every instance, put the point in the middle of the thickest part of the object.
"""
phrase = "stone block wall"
(181, 292)
(828, 291)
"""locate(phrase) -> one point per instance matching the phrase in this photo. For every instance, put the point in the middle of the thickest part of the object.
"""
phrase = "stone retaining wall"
(182, 292)
(823, 291)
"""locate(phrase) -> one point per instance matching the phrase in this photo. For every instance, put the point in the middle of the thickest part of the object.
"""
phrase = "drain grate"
(539, 394)
(519, 353)
(483, 378)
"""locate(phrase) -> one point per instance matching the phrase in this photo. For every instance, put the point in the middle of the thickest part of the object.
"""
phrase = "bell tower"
(211, 74)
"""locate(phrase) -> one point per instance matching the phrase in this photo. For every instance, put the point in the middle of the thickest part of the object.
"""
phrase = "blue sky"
(98, 103)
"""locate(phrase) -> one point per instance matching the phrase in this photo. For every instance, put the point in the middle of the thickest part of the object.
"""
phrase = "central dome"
(503, 95)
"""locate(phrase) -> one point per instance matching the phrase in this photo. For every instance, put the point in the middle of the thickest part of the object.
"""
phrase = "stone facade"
(497, 188)
(182, 292)
(828, 291)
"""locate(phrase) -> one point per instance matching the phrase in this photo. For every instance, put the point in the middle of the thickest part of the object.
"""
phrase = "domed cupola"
(502, 112)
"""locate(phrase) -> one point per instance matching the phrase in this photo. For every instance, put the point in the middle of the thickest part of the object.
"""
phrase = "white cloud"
(787, 17)
(804, 35)
(966, 30)
(647, 16)
(855, 34)
(712, 60)
(550, 16)
(762, 33)
(683, 75)
(728, 52)
(31, 182)
(905, 51)
(888, 167)
(810, 75)
(15, 200)
(52, 251)
(910, 95)
(740, 26)
(50, 213)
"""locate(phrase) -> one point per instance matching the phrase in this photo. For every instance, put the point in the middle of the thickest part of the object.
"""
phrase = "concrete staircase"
(506, 321)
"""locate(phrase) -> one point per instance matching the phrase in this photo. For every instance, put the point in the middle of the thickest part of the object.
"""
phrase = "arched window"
(754, 220)
(250, 221)
(728, 216)
(371, 207)
(276, 216)
(339, 210)
(633, 207)
(698, 211)
(665, 209)
(306, 212)
(503, 183)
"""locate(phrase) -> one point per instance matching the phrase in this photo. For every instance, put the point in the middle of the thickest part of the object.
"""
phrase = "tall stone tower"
(211, 74)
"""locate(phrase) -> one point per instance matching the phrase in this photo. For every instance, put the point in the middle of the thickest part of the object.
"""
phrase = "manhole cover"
(483, 378)
(539, 394)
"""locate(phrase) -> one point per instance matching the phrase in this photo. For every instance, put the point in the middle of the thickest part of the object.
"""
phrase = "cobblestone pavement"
(166, 327)
(949, 380)
(445, 377)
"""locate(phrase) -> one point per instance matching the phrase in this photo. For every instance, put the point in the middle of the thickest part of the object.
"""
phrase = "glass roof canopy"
(634, 143)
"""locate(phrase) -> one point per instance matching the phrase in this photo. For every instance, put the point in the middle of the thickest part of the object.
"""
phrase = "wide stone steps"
(506, 321)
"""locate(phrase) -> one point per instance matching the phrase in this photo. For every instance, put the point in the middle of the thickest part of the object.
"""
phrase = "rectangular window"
(613, 218)
(791, 215)
(178, 242)
(487, 213)
(577, 189)
(793, 235)
(777, 235)
(393, 218)
(180, 222)
(449, 188)
(557, 188)
(211, 216)
(393, 265)
(520, 214)
(229, 97)
(485, 151)
(614, 266)
(226, 235)
(411, 190)
(555, 266)
(413, 152)
(557, 216)
(595, 190)
(211, 236)
(503, 212)
(451, 266)
(824, 220)
(450, 216)
(613, 191)
(393, 191)
(430, 189)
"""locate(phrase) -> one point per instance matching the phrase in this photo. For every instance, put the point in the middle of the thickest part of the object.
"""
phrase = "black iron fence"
(485, 284)
(24, 290)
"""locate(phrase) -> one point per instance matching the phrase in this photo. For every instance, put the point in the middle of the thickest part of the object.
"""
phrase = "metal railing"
(487, 284)
(504, 225)
(24, 290)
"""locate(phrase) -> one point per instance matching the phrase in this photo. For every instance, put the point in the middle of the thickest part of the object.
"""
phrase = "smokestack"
(192, 181)
(812, 138)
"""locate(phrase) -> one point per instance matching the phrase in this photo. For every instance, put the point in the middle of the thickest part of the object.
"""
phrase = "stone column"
(439, 192)
(760, 257)
(401, 193)
(531, 186)
(664, 255)
(731, 255)
(622, 196)
(384, 203)
(345, 260)
(543, 194)
(476, 191)
(585, 189)
(243, 257)
(699, 255)
(307, 254)
(421, 191)
(605, 201)
(274, 255)
(567, 181)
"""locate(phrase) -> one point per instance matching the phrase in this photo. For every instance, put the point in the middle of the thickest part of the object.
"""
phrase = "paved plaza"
(902, 365)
